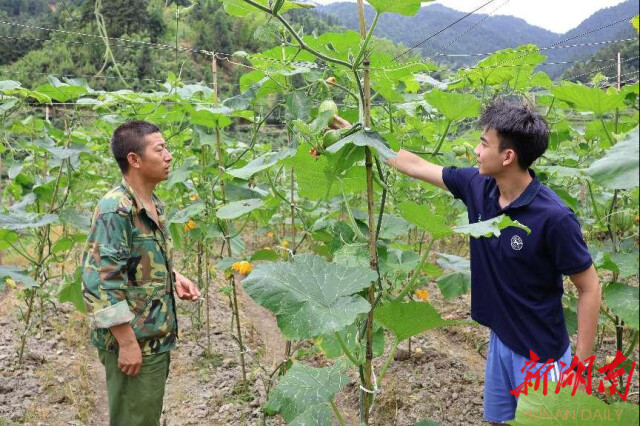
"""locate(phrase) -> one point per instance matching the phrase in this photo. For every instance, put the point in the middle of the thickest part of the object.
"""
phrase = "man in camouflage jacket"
(128, 279)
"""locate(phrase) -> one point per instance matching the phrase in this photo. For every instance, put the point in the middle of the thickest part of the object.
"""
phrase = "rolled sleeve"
(113, 315)
(105, 266)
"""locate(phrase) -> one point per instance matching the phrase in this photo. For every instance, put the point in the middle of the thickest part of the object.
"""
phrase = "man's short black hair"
(129, 137)
(519, 128)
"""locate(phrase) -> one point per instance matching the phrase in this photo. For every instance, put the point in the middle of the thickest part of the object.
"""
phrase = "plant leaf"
(239, 208)
(454, 285)
(566, 410)
(454, 106)
(623, 300)
(302, 397)
(20, 221)
(309, 295)
(489, 228)
(408, 319)
(371, 139)
(424, 219)
(17, 274)
(585, 98)
(261, 163)
(618, 169)
(403, 7)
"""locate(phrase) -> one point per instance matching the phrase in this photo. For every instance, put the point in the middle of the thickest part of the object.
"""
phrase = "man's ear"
(133, 159)
(510, 157)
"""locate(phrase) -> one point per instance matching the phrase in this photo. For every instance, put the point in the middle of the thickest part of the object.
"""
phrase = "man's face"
(155, 164)
(491, 161)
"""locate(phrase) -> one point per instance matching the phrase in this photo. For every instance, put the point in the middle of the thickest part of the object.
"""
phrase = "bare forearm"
(124, 335)
(412, 165)
(589, 297)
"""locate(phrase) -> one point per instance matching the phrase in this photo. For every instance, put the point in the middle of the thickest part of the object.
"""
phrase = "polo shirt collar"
(527, 195)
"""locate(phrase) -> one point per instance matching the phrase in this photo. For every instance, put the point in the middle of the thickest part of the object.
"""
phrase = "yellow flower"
(266, 248)
(242, 267)
(270, 234)
(422, 295)
(194, 197)
(285, 243)
(10, 283)
(189, 226)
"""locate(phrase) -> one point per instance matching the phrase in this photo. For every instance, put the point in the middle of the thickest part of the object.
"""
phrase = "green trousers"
(136, 401)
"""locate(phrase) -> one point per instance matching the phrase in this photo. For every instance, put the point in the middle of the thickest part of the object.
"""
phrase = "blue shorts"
(504, 374)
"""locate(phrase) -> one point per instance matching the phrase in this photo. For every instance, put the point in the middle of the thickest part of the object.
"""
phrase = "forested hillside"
(482, 33)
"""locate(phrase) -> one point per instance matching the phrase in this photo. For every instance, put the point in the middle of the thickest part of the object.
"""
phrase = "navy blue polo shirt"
(516, 278)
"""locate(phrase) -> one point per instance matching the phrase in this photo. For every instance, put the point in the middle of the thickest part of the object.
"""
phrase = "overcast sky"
(555, 15)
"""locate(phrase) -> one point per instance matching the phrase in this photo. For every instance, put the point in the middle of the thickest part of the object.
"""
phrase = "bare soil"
(61, 381)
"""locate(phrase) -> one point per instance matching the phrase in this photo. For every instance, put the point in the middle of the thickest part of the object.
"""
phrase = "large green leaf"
(408, 319)
(623, 300)
(585, 98)
(244, 99)
(18, 275)
(454, 285)
(563, 409)
(239, 208)
(489, 228)
(59, 91)
(627, 263)
(618, 169)
(309, 295)
(71, 291)
(303, 395)
(403, 7)
(454, 106)
(365, 138)
(261, 163)
(20, 221)
(189, 212)
(423, 218)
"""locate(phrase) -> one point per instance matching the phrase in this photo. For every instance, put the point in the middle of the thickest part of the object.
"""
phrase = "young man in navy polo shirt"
(516, 279)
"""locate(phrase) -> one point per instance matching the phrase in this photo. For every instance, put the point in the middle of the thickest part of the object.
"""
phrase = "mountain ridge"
(481, 33)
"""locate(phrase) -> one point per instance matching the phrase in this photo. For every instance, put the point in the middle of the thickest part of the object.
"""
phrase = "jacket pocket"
(152, 307)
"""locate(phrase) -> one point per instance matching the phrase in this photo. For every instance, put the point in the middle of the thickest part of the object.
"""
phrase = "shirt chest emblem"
(517, 243)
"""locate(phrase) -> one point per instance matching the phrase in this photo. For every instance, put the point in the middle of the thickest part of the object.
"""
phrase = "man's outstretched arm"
(412, 165)
(406, 162)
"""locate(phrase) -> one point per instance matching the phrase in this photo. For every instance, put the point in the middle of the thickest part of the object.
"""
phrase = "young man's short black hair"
(129, 137)
(519, 128)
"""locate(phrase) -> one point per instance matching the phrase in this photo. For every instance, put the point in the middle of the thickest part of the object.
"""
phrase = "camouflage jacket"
(127, 273)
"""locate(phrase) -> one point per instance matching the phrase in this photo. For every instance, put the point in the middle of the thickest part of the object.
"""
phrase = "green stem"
(388, 361)
(409, 287)
(633, 344)
(363, 50)
(354, 224)
(444, 135)
(593, 202)
(334, 407)
(295, 35)
(346, 350)
(606, 131)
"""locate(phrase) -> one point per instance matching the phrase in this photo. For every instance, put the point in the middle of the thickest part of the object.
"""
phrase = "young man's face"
(155, 164)
(491, 161)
